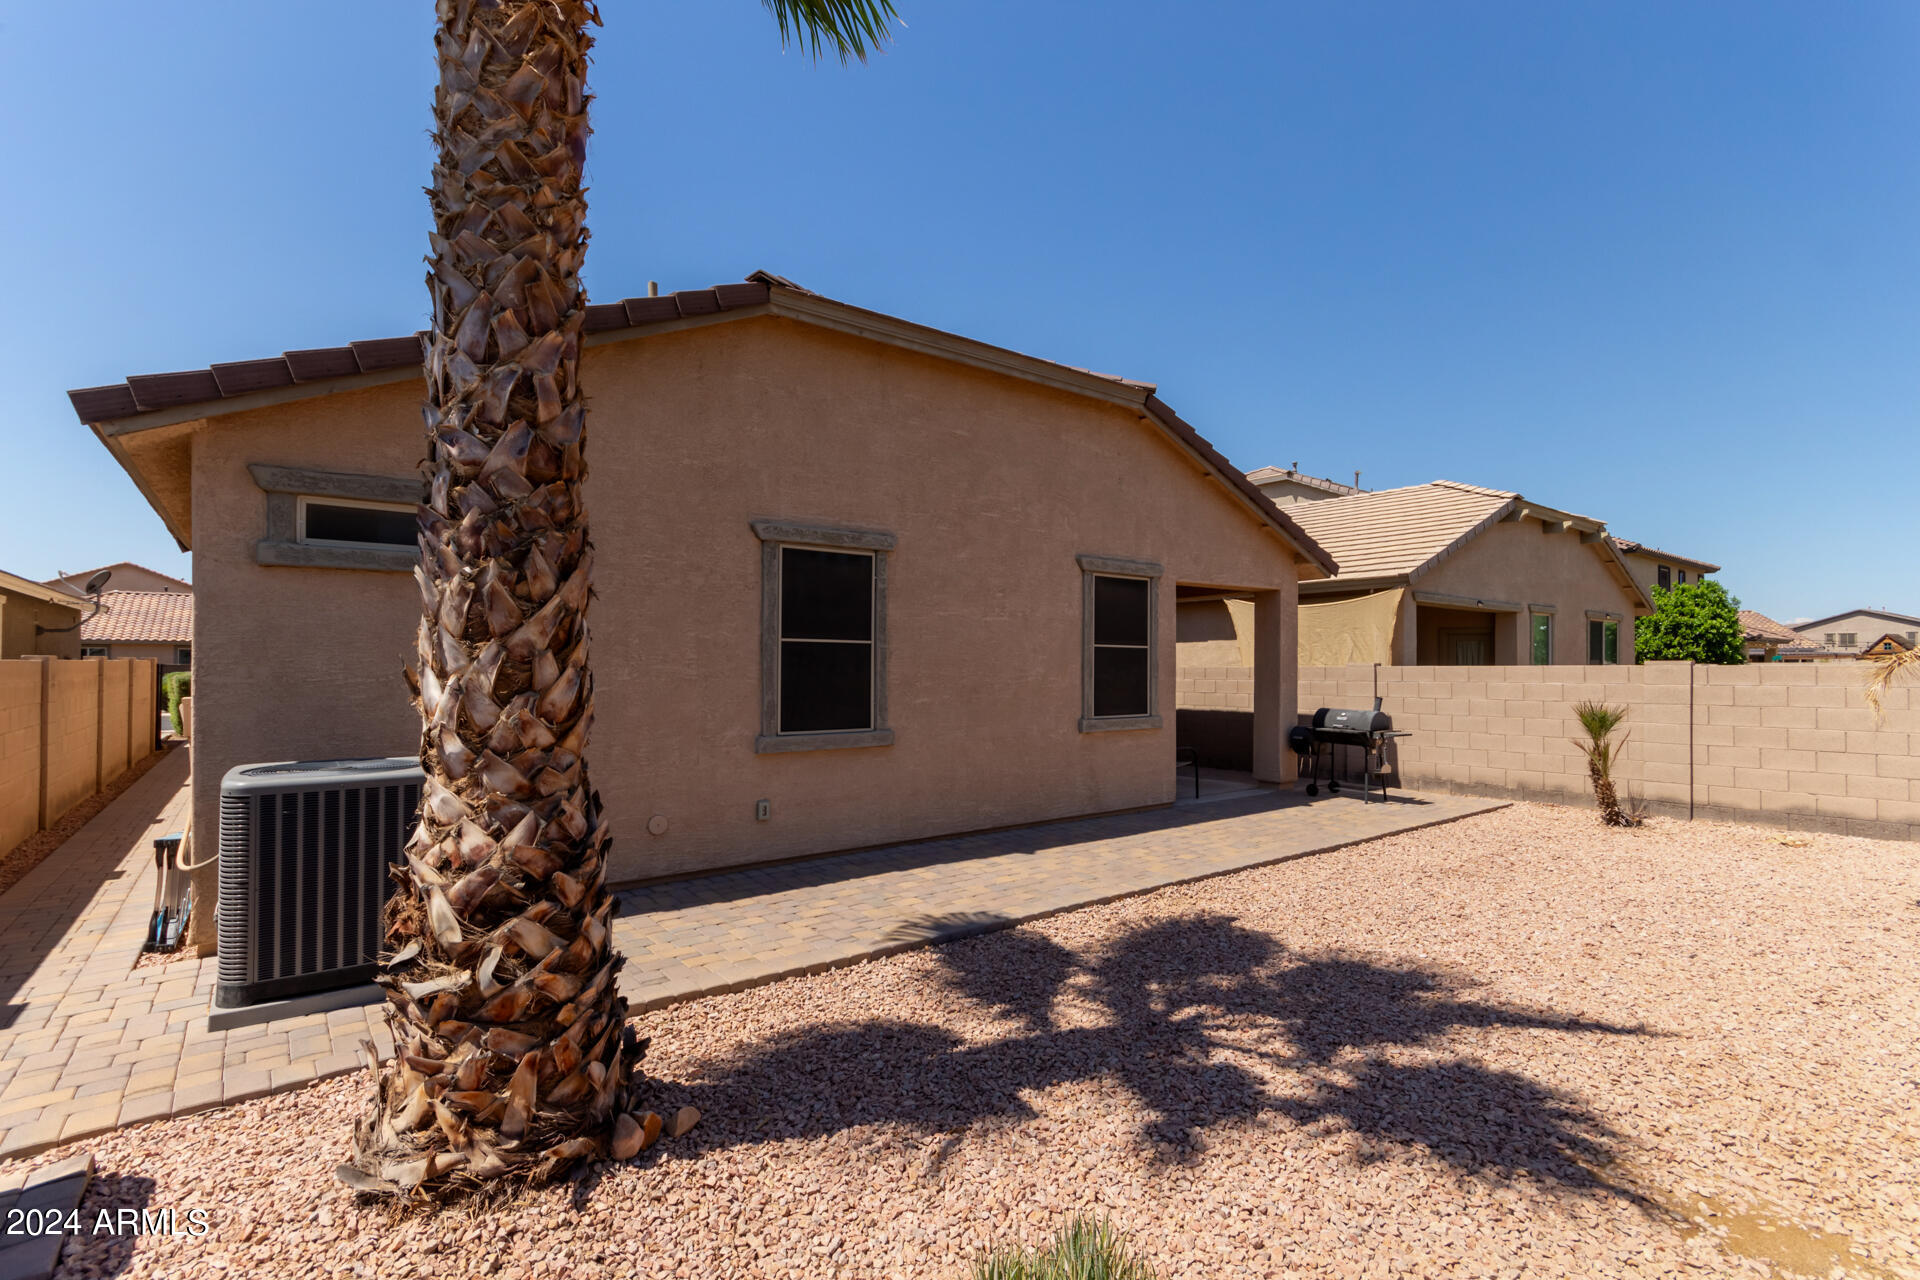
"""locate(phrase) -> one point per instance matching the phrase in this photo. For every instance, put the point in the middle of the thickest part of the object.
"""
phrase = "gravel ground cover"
(1516, 1045)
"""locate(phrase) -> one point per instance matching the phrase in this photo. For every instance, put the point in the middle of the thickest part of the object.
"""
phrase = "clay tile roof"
(141, 617)
(1391, 532)
(151, 392)
(1267, 475)
(1759, 627)
(1629, 547)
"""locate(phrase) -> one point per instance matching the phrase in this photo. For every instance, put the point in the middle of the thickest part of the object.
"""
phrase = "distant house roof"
(1629, 547)
(1272, 475)
(1860, 613)
(141, 617)
(151, 401)
(1892, 640)
(39, 591)
(1759, 628)
(72, 582)
(1395, 535)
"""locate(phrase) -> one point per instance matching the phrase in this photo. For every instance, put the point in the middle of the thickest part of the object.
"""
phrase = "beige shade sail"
(1339, 632)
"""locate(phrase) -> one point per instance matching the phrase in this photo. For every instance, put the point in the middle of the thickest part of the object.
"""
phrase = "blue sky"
(1655, 263)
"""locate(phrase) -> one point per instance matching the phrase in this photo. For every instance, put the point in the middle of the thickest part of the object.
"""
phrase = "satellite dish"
(98, 582)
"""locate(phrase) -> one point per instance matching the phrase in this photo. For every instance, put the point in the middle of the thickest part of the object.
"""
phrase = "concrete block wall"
(1787, 744)
(67, 730)
(1213, 688)
(19, 751)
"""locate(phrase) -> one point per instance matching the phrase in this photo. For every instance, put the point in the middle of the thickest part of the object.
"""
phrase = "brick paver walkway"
(89, 1042)
(689, 938)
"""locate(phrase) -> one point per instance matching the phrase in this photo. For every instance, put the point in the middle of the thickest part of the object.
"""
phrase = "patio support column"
(1512, 641)
(1276, 681)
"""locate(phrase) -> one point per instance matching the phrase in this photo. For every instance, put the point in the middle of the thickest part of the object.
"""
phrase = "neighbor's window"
(1542, 639)
(826, 640)
(1666, 576)
(1829, 639)
(1849, 639)
(342, 523)
(93, 651)
(183, 657)
(1680, 576)
(1603, 641)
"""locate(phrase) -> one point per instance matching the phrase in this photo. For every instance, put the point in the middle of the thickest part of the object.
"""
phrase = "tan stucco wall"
(1520, 563)
(20, 614)
(991, 485)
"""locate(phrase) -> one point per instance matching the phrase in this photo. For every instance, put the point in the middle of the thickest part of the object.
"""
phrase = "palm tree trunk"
(512, 1052)
(1604, 794)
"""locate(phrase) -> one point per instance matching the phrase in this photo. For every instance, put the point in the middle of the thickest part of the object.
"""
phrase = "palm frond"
(1598, 719)
(1885, 671)
(850, 28)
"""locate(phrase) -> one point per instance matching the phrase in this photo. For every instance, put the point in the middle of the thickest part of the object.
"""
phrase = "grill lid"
(1351, 720)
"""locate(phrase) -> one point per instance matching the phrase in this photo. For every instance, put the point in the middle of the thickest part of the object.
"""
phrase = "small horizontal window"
(336, 522)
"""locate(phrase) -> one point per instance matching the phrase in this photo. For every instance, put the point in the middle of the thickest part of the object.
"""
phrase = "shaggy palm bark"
(512, 1052)
(1604, 794)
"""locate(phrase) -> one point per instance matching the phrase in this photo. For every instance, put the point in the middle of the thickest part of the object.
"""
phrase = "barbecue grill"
(1369, 731)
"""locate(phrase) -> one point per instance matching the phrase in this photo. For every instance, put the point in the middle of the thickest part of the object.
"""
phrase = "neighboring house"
(1770, 641)
(1886, 645)
(1291, 485)
(38, 620)
(1849, 632)
(1655, 568)
(126, 576)
(1015, 534)
(1454, 574)
(141, 624)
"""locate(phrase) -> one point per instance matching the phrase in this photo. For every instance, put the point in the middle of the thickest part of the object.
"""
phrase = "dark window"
(1122, 647)
(826, 641)
(374, 526)
(1680, 576)
(1603, 641)
(1666, 576)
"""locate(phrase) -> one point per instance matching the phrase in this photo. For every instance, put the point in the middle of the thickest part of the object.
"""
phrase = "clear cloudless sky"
(1657, 263)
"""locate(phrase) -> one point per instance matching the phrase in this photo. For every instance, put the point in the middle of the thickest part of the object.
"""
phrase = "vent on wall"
(305, 849)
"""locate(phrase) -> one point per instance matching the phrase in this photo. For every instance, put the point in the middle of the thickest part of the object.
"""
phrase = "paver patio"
(90, 1042)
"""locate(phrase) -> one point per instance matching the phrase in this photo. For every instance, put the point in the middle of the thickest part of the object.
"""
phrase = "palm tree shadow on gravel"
(1189, 1008)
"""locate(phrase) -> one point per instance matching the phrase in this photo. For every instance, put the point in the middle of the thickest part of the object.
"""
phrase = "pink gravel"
(1516, 1045)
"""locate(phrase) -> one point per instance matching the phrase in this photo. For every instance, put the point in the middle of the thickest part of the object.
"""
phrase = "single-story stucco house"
(996, 543)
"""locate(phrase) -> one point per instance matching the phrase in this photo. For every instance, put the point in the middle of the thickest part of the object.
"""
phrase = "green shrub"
(1086, 1249)
(1697, 622)
(174, 686)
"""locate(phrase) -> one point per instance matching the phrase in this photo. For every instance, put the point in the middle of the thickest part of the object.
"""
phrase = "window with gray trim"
(337, 519)
(823, 637)
(1120, 625)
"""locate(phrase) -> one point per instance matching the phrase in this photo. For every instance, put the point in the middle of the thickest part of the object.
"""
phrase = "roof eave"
(1310, 555)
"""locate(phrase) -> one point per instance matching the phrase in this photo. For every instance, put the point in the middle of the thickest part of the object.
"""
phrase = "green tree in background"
(1697, 622)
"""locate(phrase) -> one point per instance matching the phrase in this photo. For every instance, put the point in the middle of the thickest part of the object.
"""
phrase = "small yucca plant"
(1087, 1248)
(1598, 721)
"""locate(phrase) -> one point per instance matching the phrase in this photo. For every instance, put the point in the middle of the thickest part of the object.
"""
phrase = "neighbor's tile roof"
(1395, 531)
(1629, 547)
(1758, 626)
(66, 582)
(1269, 475)
(141, 617)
